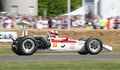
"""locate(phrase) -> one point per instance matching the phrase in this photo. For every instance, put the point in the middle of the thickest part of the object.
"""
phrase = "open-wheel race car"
(29, 45)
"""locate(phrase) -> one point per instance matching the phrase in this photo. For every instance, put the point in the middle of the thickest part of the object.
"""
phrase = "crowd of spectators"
(38, 22)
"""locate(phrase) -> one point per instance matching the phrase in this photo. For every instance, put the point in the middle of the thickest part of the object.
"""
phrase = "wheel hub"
(94, 45)
(28, 45)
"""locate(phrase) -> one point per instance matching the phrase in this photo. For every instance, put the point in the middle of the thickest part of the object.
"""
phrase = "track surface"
(59, 57)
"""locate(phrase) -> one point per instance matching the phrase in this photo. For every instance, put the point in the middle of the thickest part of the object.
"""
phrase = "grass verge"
(61, 65)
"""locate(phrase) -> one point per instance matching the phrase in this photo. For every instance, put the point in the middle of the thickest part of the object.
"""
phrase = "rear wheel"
(93, 45)
(25, 46)
(43, 43)
(14, 47)
(15, 50)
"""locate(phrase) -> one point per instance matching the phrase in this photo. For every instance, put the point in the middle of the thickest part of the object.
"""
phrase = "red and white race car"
(29, 45)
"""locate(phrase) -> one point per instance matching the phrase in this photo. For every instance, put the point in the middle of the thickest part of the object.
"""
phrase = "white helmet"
(54, 33)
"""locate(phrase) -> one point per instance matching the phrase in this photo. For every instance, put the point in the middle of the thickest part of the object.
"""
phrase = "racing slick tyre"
(93, 45)
(15, 50)
(25, 46)
(43, 43)
(14, 47)
(85, 52)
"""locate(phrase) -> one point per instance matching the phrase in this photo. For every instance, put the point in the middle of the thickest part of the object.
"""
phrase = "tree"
(76, 4)
(56, 7)
(42, 6)
(1, 5)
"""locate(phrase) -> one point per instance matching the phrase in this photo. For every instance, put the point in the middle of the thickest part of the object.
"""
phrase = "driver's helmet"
(54, 33)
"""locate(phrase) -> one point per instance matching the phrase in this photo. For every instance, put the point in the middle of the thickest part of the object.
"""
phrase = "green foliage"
(76, 4)
(42, 6)
(56, 7)
(0, 5)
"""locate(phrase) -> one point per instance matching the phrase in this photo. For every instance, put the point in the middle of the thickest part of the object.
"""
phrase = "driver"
(54, 34)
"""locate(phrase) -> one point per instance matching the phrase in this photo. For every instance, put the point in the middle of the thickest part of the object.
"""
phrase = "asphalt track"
(59, 57)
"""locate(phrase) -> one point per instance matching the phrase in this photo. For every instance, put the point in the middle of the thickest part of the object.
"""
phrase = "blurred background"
(60, 14)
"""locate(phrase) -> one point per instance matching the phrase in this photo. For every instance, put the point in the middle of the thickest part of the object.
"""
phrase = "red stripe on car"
(65, 41)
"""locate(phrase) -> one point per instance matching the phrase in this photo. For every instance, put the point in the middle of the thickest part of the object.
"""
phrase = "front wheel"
(83, 53)
(93, 45)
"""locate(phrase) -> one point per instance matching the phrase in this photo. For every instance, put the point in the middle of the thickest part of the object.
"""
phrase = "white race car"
(29, 45)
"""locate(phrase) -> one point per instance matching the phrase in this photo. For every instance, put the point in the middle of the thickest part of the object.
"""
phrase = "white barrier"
(6, 36)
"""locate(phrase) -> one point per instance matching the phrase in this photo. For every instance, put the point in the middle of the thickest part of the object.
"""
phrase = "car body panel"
(64, 44)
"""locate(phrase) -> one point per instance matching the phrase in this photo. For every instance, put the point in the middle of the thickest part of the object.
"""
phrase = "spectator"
(74, 23)
(89, 24)
(38, 23)
(108, 23)
(65, 22)
(96, 24)
(102, 23)
(45, 22)
(112, 23)
(8, 22)
(59, 23)
(79, 22)
(50, 23)
(116, 23)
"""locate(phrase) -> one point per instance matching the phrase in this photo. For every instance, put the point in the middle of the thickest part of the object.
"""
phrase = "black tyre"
(43, 43)
(15, 50)
(93, 45)
(83, 53)
(25, 46)
(14, 47)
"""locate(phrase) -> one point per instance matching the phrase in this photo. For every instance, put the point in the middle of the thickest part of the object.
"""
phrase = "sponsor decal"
(63, 45)
(72, 46)
(6, 36)
(54, 44)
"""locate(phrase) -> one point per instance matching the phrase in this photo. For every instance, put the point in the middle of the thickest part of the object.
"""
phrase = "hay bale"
(107, 36)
